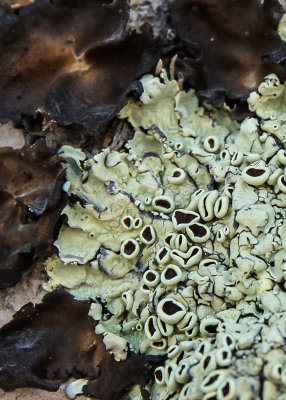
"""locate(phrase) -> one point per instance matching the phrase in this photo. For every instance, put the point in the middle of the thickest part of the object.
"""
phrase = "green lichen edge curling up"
(180, 241)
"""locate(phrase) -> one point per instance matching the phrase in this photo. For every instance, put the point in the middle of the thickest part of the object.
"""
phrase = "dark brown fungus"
(150, 277)
(129, 248)
(151, 327)
(255, 172)
(46, 341)
(224, 56)
(198, 230)
(214, 397)
(72, 58)
(171, 308)
(147, 234)
(163, 253)
(31, 201)
(226, 389)
(206, 362)
(194, 251)
(159, 375)
(184, 218)
(162, 203)
(283, 181)
(170, 273)
(115, 377)
(211, 380)
(56, 339)
(46, 40)
(211, 328)
(224, 154)
(94, 96)
(168, 239)
(127, 222)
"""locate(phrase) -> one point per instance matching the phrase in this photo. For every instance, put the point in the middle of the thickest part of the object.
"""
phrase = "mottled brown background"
(29, 288)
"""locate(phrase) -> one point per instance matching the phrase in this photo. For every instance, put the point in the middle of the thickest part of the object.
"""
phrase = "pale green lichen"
(180, 242)
(75, 388)
(282, 28)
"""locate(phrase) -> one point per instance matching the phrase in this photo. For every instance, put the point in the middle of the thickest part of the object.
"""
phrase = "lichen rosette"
(179, 242)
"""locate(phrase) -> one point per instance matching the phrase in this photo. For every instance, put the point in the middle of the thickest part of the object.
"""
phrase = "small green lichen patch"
(179, 240)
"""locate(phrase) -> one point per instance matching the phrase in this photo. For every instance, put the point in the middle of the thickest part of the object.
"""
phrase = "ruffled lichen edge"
(179, 241)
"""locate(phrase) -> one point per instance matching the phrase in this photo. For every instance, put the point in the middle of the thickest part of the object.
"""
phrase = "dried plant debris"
(31, 199)
(56, 339)
(179, 240)
(78, 63)
(10, 136)
(155, 12)
(223, 58)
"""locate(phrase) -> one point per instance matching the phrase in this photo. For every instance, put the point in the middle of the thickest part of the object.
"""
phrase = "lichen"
(179, 241)
(225, 61)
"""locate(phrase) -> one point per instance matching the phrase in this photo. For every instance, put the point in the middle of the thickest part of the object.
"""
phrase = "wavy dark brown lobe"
(31, 201)
(73, 58)
(228, 46)
(45, 342)
(56, 339)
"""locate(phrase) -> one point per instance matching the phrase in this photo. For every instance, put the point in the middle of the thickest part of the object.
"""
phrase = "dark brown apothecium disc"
(72, 58)
(229, 46)
(31, 201)
(54, 340)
